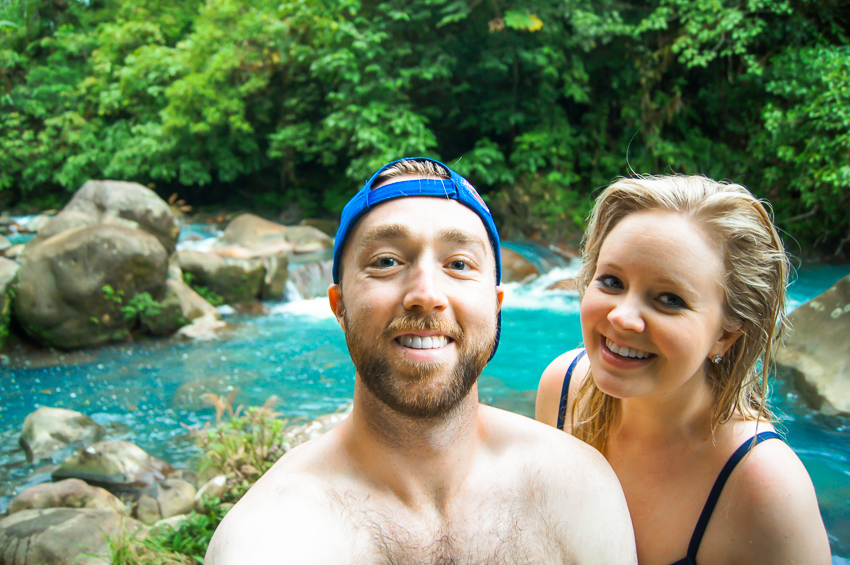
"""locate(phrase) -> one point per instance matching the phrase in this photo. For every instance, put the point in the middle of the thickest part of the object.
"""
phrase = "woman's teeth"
(427, 342)
(625, 351)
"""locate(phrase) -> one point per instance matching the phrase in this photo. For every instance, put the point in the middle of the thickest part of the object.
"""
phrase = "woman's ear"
(727, 339)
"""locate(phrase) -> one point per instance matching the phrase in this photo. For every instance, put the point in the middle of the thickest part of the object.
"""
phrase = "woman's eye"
(386, 262)
(610, 281)
(458, 265)
(672, 301)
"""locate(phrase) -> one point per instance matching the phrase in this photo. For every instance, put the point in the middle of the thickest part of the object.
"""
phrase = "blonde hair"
(411, 167)
(754, 281)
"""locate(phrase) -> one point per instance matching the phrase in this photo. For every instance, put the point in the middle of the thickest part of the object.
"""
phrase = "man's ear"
(500, 295)
(335, 300)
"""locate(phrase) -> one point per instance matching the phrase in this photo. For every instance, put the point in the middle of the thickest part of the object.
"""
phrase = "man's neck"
(422, 461)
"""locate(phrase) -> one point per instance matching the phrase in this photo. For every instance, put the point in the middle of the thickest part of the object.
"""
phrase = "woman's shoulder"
(550, 389)
(771, 505)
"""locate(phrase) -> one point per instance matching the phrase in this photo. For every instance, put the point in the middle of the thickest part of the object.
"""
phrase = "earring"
(716, 359)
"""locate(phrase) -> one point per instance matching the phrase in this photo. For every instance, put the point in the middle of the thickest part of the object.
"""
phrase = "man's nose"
(425, 292)
(626, 315)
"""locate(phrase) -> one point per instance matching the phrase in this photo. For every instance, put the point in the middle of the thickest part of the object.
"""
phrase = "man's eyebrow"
(464, 238)
(385, 232)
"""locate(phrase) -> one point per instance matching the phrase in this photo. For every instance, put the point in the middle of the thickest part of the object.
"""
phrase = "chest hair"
(511, 527)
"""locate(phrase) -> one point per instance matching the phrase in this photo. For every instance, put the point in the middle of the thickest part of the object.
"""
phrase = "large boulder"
(516, 268)
(48, 430)
(235, 279)
(256, 236)
(5, 243)
(8, 273)
(76, 288)
(816, 356)
(70, 493)
(126, 203)
(118, 466)
(61, 536)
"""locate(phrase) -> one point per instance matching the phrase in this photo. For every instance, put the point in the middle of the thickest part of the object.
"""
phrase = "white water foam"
(536, 296)
(313, 308)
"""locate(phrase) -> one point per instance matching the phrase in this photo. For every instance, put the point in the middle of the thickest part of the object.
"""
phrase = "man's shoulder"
(290, 510)
(507, 430)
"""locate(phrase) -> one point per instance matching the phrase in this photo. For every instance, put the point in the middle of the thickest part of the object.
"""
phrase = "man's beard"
(412, 392)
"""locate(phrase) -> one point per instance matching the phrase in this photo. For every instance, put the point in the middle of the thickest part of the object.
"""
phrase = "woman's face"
(652, 314)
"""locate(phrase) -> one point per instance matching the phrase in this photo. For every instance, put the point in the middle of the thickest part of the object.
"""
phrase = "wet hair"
(754, 280)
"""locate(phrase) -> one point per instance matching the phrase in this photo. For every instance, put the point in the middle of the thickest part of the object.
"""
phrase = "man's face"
(418, 303)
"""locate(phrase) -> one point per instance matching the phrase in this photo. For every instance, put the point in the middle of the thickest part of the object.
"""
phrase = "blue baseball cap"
(454, 188)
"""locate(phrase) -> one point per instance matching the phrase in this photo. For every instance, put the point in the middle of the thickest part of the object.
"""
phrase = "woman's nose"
(627, 316)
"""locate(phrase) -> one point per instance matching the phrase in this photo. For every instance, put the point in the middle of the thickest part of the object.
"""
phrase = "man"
(420, 472)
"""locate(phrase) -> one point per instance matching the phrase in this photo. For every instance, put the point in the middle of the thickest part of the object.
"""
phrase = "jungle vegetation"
(295, 102)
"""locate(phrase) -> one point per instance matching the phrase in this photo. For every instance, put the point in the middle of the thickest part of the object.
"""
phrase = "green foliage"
(205, 292)
(190, 537)
(276, 102)
(243, 448)
(806, 140)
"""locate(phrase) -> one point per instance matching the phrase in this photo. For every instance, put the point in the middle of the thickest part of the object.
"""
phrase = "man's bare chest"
(501, 529)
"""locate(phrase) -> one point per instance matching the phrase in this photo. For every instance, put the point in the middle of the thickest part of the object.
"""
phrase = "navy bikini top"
(713, 496)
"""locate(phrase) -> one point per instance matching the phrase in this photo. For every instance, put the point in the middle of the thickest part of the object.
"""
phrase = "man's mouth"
(626, 351)
(423, 342)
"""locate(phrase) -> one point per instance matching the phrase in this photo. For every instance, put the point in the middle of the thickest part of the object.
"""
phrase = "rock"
(264, 237)
(61, 536)
(38, 223)
(276, 269)
(127, 203)
(118, 466)
(312, 279)
(328, 227)
(8, 275)
(565, 284)
(4, 243)
(15, 251)
(212, 489)
(192, 304)
(516, 268)
(48, 430)
(297, 435)
(205, 328)
(173, 522)
(164, 499)
(816, 356)
(235, 279)
(163, 317)
(72, 287)
(70, 493)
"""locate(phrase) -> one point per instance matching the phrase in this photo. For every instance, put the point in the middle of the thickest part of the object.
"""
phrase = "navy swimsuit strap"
(565, 390)
(714, 495)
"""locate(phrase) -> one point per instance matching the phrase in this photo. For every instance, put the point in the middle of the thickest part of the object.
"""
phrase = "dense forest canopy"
(275, 102)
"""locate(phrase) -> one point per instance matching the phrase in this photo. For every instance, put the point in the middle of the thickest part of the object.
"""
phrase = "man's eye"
(386, 262)
(458, 265)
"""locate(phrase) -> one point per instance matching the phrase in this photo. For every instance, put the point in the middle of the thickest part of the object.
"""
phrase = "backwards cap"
(454, 188)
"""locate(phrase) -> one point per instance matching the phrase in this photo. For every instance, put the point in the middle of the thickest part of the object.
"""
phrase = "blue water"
(297, 353)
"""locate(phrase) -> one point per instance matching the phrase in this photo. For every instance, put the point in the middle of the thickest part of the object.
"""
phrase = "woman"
(683, 293)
